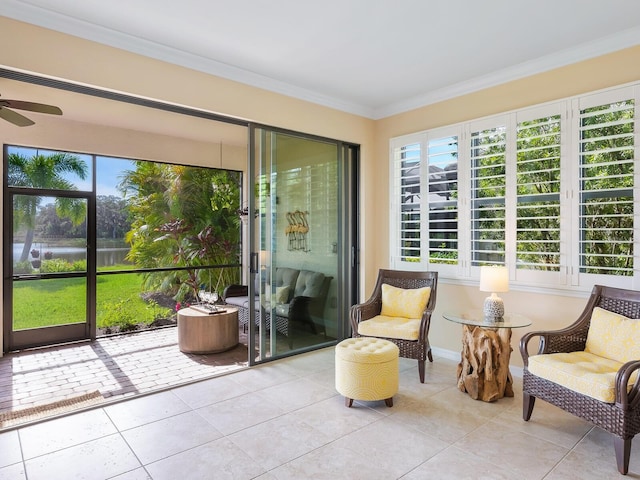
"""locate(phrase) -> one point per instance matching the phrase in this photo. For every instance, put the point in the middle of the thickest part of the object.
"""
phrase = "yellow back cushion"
(613, 336)
(404, 302)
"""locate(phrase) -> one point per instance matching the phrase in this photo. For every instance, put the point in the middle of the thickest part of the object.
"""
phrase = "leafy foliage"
(44, 171)
(185, 217)
(607, 172)
(538, 190)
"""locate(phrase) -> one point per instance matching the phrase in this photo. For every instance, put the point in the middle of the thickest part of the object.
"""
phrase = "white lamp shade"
(494, 279)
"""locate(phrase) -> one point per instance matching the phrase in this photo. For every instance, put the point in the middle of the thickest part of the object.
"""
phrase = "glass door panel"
(47, 291)
(296, 242)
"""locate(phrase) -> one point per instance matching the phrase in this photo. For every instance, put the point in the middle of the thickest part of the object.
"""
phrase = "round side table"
(200, 332)
(483, 371)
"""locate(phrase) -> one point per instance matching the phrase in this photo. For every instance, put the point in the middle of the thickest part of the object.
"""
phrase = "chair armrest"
(425, 323)
(235, 291)
(299, 308)
(628, 400)
(364, 311)
(553, 341)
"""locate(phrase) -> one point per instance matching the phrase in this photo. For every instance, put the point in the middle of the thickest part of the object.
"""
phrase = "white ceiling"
(369, 57)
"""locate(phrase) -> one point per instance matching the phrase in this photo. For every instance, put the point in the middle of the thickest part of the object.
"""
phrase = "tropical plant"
(44, 171)
(185, 217)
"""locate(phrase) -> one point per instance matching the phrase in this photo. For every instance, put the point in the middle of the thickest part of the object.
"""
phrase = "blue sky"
(109, 170)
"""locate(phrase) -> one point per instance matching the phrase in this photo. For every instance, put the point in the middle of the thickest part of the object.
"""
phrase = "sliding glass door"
(301, 246)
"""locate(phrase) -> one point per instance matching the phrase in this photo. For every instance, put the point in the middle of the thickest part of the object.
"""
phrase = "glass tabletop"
(509, 320)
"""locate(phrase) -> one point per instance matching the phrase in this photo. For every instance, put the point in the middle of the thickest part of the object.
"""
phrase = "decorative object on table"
(208, 300)
(494, 279)
(207, 304)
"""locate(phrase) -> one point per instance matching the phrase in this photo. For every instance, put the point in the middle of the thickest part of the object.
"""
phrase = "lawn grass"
(46, 302)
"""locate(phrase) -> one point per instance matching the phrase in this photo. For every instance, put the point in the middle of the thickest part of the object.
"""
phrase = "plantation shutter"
(488, 188)
(606, 161)
(538, 149)
(442, 163)
(406, 199)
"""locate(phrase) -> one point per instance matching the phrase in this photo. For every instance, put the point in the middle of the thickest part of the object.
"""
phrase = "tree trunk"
(483, 371)
(28, 241)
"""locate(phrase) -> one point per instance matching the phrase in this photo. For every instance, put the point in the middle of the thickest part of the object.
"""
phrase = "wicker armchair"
(620, 417)
(416, 349)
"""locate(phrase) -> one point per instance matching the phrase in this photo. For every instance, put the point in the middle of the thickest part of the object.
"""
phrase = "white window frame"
(569, 275)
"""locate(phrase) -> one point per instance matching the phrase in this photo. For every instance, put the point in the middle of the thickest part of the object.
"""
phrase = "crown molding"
(25, 12)
(72, 26)
(585, 51)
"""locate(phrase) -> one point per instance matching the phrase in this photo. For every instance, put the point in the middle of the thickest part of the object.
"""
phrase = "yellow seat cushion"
(390, 327)
(404, 302)
(613, 336)
(582, 372)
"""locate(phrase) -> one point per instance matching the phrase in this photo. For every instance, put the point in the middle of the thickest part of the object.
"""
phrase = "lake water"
(105, 256)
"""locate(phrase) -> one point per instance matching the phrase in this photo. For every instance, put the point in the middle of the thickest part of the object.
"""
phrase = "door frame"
(20, 339)
(348, 158)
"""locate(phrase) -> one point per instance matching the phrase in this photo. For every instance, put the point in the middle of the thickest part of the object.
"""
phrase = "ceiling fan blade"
(15, 118)
(31, 106)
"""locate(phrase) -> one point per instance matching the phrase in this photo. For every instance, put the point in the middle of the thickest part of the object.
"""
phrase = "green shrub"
(59, 265)
(118, 314)
(55, 265)
(79, 266)
(22, 268)
(126, 315)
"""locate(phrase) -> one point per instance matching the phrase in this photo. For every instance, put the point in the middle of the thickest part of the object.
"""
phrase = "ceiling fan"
(20, 120)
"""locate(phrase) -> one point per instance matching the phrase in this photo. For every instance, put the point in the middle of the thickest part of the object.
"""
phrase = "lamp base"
(493, 308)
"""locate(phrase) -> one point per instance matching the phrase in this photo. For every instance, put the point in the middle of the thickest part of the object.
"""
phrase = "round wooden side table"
(200, 332)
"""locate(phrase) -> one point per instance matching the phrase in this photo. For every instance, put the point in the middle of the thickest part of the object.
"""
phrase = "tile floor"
(284, 420)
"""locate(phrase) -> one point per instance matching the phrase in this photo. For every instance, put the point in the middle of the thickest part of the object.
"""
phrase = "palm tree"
(185, 217)
(44, 171)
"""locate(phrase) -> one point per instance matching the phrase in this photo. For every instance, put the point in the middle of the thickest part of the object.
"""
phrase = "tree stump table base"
(483, 371)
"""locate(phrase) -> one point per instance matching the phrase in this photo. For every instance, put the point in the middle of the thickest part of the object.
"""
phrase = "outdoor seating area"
(296, 296)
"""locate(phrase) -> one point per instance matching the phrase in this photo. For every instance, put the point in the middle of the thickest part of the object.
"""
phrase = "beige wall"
(67, 57)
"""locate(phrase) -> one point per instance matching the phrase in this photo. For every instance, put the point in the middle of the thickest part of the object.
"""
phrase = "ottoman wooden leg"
(348, 401)
(389, 402)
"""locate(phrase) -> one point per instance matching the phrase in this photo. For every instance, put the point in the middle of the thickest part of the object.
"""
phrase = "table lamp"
(494, 279)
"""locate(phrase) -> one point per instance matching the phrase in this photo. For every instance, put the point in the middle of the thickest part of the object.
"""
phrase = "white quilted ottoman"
(367, 369)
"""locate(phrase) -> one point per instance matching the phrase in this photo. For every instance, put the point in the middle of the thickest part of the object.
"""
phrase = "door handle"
(253, 262)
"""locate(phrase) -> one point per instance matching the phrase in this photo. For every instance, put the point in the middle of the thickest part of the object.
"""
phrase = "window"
(488, 190)
(547, 190)
(406, 160)
(606, 188)
(538, 193)
(442, 164)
